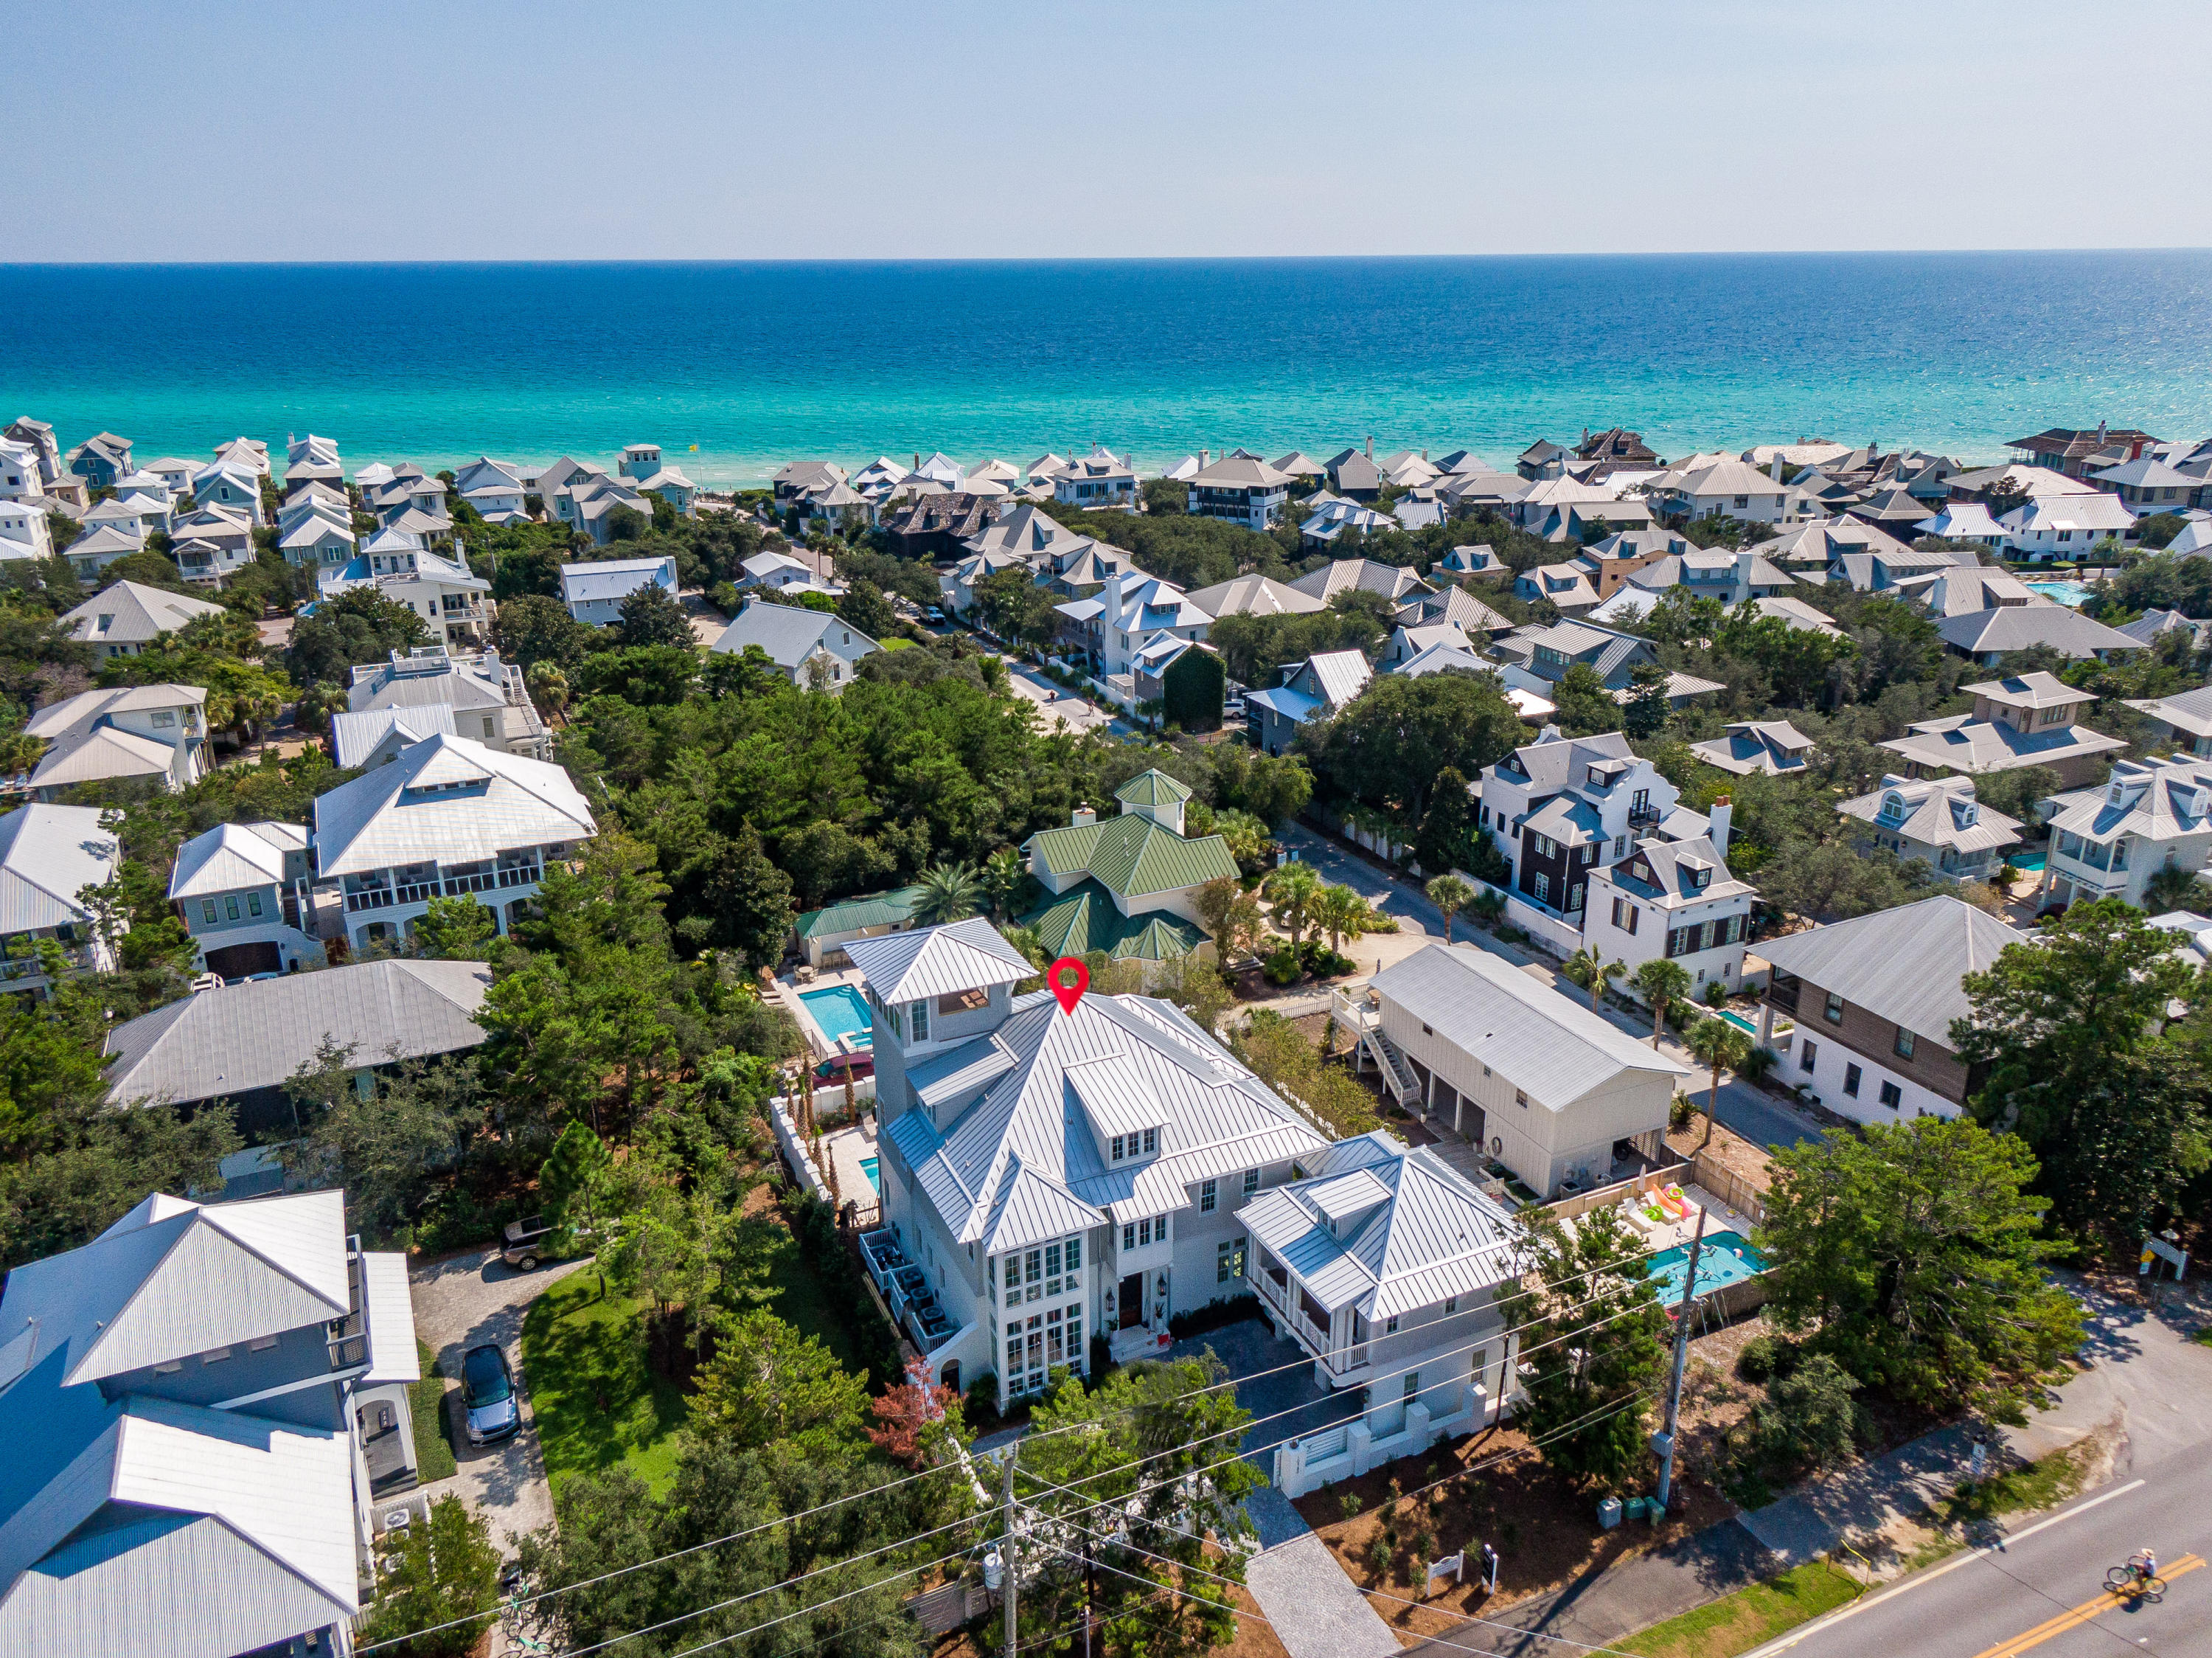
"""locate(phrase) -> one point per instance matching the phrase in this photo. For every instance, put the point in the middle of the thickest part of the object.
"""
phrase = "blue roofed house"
(594, 592)
(1126, 885)
(1055, 1175)
(816, 648)
(1315, 689)
(203, 1405)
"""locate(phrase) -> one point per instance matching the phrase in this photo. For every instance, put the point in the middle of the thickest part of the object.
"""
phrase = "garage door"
(237, 960)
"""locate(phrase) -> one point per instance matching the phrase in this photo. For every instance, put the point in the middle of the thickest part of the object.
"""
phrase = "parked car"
(488, 1402)
(523, 1244)
(935, 615)
(838, 1066)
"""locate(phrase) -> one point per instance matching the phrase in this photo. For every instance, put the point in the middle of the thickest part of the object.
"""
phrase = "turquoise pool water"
(868, 1168)
(2031, 862)
(1725, 1259)
(840, 1011)
(1742, 1024)
(2066, 593)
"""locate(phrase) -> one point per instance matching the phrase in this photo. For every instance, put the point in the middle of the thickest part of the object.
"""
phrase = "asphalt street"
(2042, 1591)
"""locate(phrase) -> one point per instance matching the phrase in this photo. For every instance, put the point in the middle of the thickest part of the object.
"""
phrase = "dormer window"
(1892, 806)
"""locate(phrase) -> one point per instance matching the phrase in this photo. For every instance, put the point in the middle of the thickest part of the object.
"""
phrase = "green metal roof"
(1084, 918)
(1132, 856)
(873, 909)
(1153, 788)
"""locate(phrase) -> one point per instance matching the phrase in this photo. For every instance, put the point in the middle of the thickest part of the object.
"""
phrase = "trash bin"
(1608, 1513)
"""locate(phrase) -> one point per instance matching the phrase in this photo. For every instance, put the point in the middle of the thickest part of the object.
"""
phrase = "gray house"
(201, 1406)
(816, 648)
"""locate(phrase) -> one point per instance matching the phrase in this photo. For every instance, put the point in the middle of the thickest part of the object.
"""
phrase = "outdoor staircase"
(1397, 1074)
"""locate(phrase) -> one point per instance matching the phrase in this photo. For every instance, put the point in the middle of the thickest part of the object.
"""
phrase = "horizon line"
(950, 260)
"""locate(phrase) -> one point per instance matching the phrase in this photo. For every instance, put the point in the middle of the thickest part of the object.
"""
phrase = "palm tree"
(1002, 876)
(2172, 888)
(1295, 889)
(950, 892)
(1340, 911)
(1245, 835)
(1591, 970)
(1722, 1046)
(1660, 981)
(1451, 895)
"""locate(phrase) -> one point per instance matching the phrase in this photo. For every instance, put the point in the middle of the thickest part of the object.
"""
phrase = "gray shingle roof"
(1901, 964)
(220, 1043)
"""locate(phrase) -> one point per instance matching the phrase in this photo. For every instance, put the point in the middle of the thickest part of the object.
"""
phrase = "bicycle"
(2132, 1582)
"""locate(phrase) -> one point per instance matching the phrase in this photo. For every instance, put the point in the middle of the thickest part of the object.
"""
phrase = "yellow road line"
(2075, 1618)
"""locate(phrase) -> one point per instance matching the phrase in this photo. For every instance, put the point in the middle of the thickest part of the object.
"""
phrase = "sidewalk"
(1304, 1594)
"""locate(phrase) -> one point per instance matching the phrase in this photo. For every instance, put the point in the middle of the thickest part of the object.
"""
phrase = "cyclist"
(2144, 1565)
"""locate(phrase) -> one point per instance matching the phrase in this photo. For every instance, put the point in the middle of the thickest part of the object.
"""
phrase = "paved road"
(463, 1302)
(2041, 1590)
(1758, 1116)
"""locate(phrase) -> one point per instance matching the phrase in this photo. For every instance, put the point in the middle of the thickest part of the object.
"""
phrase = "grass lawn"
(434, 1427)
(796, 1296)
(2016, 1490)
(597, 1405)
(1749, 1618)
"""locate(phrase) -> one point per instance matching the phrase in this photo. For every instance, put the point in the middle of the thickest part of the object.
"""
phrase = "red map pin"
(1069, 978)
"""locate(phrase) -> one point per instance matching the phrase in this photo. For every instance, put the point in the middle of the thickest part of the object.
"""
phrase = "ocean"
(737, 368)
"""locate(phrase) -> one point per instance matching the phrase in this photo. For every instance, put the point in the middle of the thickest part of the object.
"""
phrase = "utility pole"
(1007, 1549)
(1682, 1357)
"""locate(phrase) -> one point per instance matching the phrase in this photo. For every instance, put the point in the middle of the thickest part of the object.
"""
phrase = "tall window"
(1833, 1012)
(1903, 1043)
(1251, 1181)
(1206, 1196)
(1151, 1141)
(921, 1021)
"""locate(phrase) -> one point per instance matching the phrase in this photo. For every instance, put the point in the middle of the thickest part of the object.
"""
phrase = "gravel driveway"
(464, 1301)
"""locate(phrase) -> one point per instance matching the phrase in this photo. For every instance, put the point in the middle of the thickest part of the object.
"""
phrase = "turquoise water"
(2066, 593)
(756, 363)
(840, 1011)
(2032, 863)
(1725, 1259)
(1742, 1024)
(868, 1168)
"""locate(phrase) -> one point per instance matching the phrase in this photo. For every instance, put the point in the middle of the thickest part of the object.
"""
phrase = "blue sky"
(854, 128)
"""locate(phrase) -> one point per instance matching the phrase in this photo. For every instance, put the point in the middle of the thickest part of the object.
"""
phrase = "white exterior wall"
(1656, 920)
(1826, 1078)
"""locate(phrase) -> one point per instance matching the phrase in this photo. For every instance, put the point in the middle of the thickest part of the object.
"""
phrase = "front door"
(1133, 1301)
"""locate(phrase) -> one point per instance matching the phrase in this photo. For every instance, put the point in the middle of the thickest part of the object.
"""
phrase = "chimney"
(1114, 599)
(1201, 461)
(1082, 817)
(1549, 734)
(1777, 473)
(1720, 814)
(1370, 446)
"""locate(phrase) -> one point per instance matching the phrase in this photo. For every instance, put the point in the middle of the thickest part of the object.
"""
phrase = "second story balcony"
(1326, 1336)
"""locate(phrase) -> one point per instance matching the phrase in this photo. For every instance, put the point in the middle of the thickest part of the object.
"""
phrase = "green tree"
(446, 1572)
(575, 1181)
(950, 892)
(387, 1140)
(312, 712)
(90, 1163)
(1231, 916)
(1912, 1255)
(1448, 827)
(767, 1383)
(1295, 891)
(1450, 894)
(1163, 1453)
(865, 607)
(652, 615)
(1339, 911)
(531, 628)
(754, 899)
(1660, 981)
(1589, 969)
(1593, 1342)
(2081, 1064)
(1719, 1046)
(1811, 1418)
(1002, 875)
(1273, 789)
(455, 929)
(549, 688)
(673, 1248)
(1388, 746)
(359, 625)
(1585, 708)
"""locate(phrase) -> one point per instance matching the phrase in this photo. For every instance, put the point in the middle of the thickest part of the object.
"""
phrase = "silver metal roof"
(1555, 1049)
(959, 955)
(450, 800)
(234, 855)
(134, 614)
(356, 735)
(219, 1043)
(1901, 964)
(47, 854)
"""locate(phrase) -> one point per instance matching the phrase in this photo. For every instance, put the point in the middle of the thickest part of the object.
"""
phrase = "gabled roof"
(1421, 1233)
(1555, 1049)
(2017, 627)
(1902, 964)
(450, 799)
(790, 633)
(891, 909)
(1132, 857)
(1023, 1162)
(356, 735)
(234, 855)
(1935, 812)
(1236, 472)
(48, 854)
(959, 955)
(2159, 799)
(1768, 747)
(1455, 606)
(1339, 675)
(1365, 575)
(2189, 711)
(1254, 595)
(615, 578)
(220, 1043)
(1084, 918)
(1676, 867)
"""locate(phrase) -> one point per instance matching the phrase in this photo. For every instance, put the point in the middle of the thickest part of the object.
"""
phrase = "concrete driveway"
(465, 1301)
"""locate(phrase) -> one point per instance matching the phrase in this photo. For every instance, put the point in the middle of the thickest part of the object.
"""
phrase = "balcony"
(522, 875)
(369, 898)
(1290, 1304)
(1643, 815)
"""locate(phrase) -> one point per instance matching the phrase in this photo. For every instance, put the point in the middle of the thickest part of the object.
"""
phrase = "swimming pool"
(1725, 1259)
(1739, 1022)
(840, 1011)
(2029, 862)
(868, 1168)
(2066, 593)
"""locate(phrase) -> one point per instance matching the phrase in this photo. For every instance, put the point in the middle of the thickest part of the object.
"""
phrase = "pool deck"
(788, 992)
(846, 1147)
